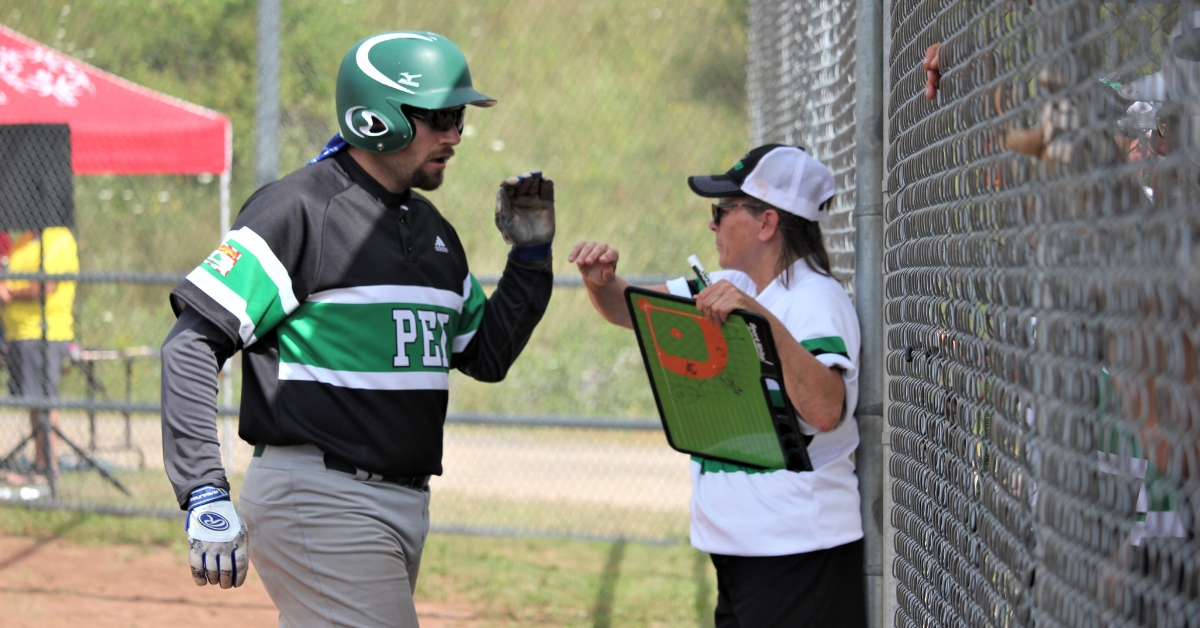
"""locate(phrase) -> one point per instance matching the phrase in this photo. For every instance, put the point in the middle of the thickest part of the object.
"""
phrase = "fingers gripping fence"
(1042, 298)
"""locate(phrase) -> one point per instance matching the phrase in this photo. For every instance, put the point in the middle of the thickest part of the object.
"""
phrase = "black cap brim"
(716, 186)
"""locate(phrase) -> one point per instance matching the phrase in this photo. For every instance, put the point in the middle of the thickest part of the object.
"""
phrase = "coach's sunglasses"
(720, 209)
(440, 120)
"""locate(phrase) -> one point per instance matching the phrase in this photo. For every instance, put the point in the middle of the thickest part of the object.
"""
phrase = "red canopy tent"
(117, 127)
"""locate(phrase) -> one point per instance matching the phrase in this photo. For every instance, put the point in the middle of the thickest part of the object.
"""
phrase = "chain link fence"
(1041, 268)
(1041, 298)
(801, 87)
(608, 98)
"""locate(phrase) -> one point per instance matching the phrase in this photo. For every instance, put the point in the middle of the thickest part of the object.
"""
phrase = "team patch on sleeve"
(223, 259)
(245, 278)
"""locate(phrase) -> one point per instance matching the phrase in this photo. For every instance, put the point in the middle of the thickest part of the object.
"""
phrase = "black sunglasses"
(440, 120)
(719, 210)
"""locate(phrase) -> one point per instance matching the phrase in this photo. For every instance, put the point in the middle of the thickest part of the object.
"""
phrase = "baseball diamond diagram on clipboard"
(718, 389)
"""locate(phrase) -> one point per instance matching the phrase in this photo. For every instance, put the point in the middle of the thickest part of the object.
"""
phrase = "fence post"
(868, 278)
(889, 604)
(266, 158)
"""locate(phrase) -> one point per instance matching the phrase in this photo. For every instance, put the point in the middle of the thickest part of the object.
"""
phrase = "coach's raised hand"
(597, 262)
(525, 210)
(217, 544)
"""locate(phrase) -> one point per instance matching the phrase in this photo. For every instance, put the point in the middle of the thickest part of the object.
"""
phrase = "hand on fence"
(933, 71)
(1050, 139)
(217, 542)
(525, 210)
(597, 262)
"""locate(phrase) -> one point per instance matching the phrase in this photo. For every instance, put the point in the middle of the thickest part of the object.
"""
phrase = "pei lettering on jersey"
(429, 328)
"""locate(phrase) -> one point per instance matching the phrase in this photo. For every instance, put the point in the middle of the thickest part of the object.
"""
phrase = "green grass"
(92, 529)
(541, 582)
(555, 518)
(519, 493)
(151, 491)
(150, 488)
(507, 581)
(449, 509)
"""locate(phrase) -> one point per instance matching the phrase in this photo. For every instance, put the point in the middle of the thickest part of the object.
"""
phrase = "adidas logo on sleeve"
(440, 246)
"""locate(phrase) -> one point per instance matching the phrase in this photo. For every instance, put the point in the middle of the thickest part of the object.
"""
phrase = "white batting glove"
(525, 209)
(217, 543)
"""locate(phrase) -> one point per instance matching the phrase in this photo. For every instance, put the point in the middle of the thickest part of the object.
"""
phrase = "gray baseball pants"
(333, 550)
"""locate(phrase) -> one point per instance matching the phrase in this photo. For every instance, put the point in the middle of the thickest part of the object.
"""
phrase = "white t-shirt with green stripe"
(740, 511)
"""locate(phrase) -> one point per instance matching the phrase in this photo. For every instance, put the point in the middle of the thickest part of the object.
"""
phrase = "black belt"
(335, 463)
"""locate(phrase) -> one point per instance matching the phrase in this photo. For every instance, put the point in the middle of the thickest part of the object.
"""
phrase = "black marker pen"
(703, 276)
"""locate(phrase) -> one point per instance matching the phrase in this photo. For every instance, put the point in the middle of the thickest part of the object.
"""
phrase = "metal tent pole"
(266, 159)
(266, 153)
(226, 378)
(41, 415)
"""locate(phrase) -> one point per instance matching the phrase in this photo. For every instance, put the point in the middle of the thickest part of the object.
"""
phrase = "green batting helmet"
(383, 72)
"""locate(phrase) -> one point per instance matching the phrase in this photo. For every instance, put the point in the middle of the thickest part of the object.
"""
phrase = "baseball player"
(350, 298)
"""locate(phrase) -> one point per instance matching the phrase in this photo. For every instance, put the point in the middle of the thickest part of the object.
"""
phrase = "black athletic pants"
(823, 588)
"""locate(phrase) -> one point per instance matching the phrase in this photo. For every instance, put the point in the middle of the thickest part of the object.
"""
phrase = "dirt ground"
(48, 583)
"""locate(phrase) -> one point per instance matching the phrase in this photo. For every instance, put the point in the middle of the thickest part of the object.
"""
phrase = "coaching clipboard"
(718, 389)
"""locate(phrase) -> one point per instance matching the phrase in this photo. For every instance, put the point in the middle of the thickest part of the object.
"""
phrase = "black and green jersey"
(350, 305)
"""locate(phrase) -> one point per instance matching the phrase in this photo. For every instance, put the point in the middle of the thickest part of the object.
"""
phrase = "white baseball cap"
(785, 177)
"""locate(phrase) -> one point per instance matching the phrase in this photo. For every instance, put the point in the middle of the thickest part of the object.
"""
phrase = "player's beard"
(425, 178)
(428, 181)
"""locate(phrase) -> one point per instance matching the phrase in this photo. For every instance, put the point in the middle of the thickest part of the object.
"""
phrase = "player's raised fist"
(525, 209)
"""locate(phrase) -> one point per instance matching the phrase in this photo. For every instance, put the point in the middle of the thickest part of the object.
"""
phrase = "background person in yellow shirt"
(30, 373)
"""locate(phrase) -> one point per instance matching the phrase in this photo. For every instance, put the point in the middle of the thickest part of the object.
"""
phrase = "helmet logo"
(371, 118)
(362, 57)
(407, 79)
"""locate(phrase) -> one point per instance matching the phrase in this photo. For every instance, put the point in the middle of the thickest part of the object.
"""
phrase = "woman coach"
(787, 546)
